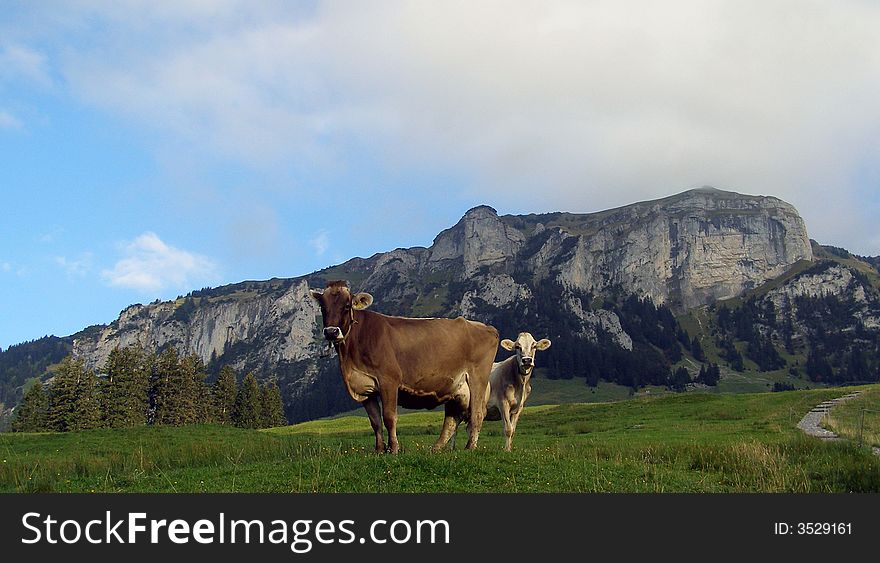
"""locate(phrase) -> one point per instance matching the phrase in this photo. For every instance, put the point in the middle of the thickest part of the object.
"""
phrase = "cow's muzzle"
(526, 364)
(332, 333)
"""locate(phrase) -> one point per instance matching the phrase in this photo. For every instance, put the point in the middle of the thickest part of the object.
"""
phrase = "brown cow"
(509, 382)
(417, 363)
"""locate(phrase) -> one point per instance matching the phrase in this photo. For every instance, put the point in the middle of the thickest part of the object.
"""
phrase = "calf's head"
(525, 347)
(337, 308)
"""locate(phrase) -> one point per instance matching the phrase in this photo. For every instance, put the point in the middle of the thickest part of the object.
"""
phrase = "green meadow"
(674, 443)
(858, 419)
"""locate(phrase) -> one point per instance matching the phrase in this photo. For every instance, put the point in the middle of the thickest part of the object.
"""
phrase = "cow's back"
(440, 345)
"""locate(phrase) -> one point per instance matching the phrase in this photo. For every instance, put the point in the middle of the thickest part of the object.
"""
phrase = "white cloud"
(321, 242)
(545, 104)
(6, 267)
(149, 264)
(78, 267)
(21, 62)
(9, 121)
(52, 235)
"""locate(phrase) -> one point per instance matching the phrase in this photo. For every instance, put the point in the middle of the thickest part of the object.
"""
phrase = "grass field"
(858, 419)
(691, 442)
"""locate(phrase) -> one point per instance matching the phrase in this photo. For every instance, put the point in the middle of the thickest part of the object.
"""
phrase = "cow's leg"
(454, 434)
(371, 405)
(508, 425)
(479, 396)
(450, 424)
(514, 418)
(389, 414)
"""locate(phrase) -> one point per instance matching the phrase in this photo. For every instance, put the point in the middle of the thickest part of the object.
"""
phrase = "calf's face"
(525, 347)
(337, 308)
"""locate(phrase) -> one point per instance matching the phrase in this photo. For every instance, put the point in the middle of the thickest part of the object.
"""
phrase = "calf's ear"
(316, 293)
(543, 344)
(361, 301)
(507, 344)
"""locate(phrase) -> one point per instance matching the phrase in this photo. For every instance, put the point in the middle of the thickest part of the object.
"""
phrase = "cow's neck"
(345, 349)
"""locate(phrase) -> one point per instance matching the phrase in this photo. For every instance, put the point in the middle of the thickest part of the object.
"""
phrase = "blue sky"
(152, 148)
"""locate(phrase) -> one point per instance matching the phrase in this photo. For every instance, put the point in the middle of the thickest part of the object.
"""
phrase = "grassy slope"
(693, 442)
(858, 419)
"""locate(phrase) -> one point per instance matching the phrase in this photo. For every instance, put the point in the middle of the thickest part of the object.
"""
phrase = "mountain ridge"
(549, 270)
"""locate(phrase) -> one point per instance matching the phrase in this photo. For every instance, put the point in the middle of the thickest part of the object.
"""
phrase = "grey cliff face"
(283, 322)
(479, 239)
(688, 250)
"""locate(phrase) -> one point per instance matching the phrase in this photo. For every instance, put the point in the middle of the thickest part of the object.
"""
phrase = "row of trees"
(136, 388)
(709, 374)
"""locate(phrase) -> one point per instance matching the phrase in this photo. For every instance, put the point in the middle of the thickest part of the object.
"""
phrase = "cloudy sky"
(151, 148)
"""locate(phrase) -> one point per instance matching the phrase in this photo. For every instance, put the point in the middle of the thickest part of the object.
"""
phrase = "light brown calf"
(509, 385)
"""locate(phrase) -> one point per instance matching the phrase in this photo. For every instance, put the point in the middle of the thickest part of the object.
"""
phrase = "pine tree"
(818, 368)
(31, 414)
(124, 392)
(194, 403)
(223, 394)
(680, 379)
(272, 406)
(709, 375)
(168, 388)
(714, 374)
(73, 398)
(205, 412)
(180, 395)
(248, 403)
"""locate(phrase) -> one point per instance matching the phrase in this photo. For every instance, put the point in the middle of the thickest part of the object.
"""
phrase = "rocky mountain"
(563, 275)
(820, 322)
(686, 250)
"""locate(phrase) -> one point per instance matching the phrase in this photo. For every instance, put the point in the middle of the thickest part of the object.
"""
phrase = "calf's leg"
(509, 427)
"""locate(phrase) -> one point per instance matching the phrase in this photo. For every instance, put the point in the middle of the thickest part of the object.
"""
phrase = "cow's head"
(525, 347)
(337, 308)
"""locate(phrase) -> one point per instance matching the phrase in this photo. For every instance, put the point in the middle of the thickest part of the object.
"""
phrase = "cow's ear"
(507, 345)
(361, 301)
(543, 344)
(316, 293)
